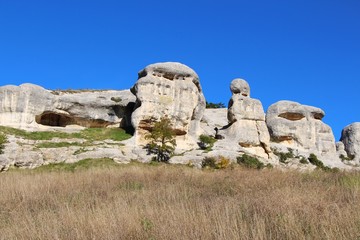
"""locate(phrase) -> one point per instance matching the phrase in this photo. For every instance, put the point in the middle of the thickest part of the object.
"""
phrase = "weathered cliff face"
(300, 127)
(31, 106)
(350, 137)
(173, 90)
(246, 118)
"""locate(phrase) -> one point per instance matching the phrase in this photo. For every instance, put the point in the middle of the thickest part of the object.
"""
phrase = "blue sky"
(306, 51)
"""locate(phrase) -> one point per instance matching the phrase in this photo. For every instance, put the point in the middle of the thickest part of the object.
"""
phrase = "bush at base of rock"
(206, 142)
(319, 164)
(215, 163)
(250, 162)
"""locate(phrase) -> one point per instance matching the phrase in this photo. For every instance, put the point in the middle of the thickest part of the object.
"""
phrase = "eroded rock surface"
(350, 137)
(246, 120)
(300, 127)
(30, 106)
(173, 90)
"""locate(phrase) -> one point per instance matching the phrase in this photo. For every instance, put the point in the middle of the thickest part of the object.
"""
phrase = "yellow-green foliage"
(220, 162)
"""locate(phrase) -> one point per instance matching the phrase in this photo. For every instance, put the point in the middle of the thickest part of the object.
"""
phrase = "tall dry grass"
(172, 202)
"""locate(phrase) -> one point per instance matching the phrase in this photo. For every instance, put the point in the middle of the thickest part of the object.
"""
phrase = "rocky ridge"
(172, 90)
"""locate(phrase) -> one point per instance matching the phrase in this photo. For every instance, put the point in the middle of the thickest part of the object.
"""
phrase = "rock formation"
(246, 117)
(300, 127)
(173, 90)
(31, 106)
(350, 137)
(170, 90)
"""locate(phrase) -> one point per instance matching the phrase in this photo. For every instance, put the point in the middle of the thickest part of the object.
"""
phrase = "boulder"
(246, 121)
(300, 127)
(30, 106)
(173, 90)
(350, 137)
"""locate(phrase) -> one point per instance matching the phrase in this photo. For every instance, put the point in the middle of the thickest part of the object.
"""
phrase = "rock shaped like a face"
(168, 89)
(300, 126)
(240, 86)
(350, 137)
(246, 119)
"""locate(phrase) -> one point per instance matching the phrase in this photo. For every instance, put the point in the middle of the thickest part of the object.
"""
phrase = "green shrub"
(283, 156)
(208, 162)
(3, 140)
(315, 161)
(206, 142)
(303, 160)
(250, 162)
(346, 158)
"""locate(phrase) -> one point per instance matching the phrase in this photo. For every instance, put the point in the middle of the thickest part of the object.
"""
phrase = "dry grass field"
(143, 201)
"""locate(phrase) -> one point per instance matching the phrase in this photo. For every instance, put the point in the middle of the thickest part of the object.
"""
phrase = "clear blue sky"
(306, 51)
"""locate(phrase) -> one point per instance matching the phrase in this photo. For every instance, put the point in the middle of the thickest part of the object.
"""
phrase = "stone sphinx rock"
(168, 89)
(246, 118)
(300, 127)
(30, 106)
(350, 137)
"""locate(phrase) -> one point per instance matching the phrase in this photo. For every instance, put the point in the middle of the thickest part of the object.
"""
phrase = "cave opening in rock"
(54, 119)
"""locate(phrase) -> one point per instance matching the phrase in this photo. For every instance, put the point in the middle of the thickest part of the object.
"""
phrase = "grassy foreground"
(141, 201)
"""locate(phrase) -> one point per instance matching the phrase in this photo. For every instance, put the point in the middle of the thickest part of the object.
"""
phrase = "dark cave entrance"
(54, 119)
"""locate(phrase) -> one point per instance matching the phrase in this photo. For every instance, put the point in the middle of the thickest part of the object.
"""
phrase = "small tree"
(162, 140)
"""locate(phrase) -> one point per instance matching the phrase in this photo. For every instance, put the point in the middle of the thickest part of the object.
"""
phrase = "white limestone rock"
(350, 137)
(300, 127)
(246, 122)
(168, 89)
(30, 106)
(213, 118)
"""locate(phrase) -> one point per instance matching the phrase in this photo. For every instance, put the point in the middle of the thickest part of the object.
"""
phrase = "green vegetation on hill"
(92, 134)
(80, 165)
(2, 142)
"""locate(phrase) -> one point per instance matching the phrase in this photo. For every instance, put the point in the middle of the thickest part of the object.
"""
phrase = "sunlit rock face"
(300, 127)
(30, 106)
(168, 89)
(350, 137)
(246, 119)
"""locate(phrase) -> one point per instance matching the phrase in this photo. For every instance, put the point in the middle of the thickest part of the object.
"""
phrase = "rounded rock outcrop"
(350, 137)
(168, 89)
(299, 126)
(240, 86)
(247, 128)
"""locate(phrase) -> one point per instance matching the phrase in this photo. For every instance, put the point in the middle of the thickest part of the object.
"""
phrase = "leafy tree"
(215, 105)
(162, 140)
